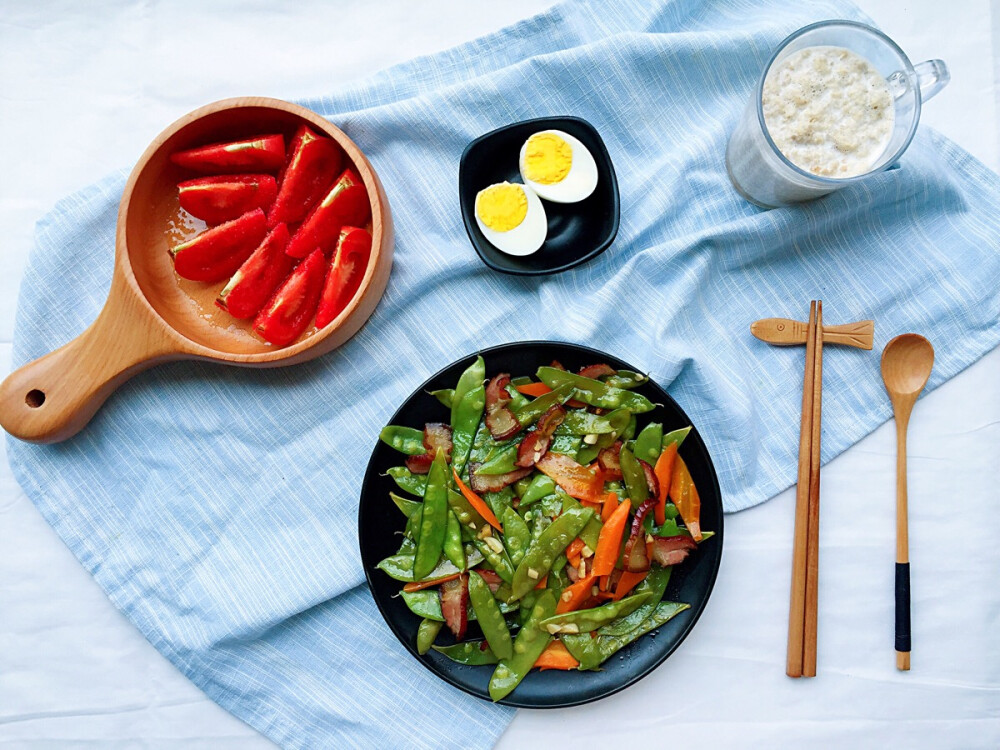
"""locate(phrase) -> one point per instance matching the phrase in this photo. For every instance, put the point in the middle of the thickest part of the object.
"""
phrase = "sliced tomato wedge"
(263, 152)
(313, 161)
(255, 281)
(345, 204)
(286, 316)
(215, 200)
(578, 481)
(217, 253)
(347, 269)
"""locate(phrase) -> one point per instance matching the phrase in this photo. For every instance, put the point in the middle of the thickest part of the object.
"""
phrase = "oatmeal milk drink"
(838, 101)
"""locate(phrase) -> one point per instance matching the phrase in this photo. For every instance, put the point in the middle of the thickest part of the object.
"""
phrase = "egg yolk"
(547, 158)
(502, 207)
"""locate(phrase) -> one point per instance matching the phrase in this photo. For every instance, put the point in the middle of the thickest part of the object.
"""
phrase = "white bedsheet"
(84, 88)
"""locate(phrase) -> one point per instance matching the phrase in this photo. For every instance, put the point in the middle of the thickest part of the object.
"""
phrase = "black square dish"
(577, 232)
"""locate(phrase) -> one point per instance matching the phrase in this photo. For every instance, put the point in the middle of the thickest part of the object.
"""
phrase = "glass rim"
(907, 67)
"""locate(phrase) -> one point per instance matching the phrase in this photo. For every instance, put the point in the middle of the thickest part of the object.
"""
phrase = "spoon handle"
(902, 550)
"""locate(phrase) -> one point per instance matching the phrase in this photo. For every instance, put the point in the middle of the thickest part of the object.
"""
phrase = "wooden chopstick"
(812, 540)
(797, 604)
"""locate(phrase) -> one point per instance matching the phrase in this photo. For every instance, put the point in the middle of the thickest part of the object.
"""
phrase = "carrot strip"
(573, 551)
(533, 389)
(685, 497)
(611, 503)
(478, 503)
(421, 585)
(664, 471)
(556, 656)
(578, 592)
(610, 541)
(540, 389)
(543, 583)
(628, 581)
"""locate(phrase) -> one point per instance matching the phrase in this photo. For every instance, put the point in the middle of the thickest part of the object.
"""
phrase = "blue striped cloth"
(217, 506)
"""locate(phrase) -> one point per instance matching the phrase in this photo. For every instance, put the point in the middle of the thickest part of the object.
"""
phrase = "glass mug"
(766, 177)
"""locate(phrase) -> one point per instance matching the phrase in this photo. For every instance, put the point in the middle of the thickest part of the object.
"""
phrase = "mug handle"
(932, 76)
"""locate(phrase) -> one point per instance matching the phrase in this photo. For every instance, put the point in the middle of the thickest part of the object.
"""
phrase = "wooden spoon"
(907, 361)
(151, 316)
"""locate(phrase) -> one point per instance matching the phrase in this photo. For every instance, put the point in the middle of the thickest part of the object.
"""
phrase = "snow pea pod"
(497, 560)
(467, 515)
(654, 584)
(490, 617)
(445, 395)
(433, 518)
(472, 377)
(427, 603)
(676, 437)
(532, 411)
(408, 440)
(580, 422)
(454, 550)
(634, 477)
(648, 444)
(516, 536)
(465, 417)
(592, 531)
(540, 556)
(592, 652)
(594, 392)
(585, 620)
(501, 461)
(540, 486)
(471, 653)
(407, 481)
(619, 419)
(406, 506)
(626, 379)
(400, 566)
(528, 646)
(426, 634)
(568, 445)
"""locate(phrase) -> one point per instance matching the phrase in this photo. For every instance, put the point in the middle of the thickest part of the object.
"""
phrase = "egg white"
(579, 182)
(526, 237)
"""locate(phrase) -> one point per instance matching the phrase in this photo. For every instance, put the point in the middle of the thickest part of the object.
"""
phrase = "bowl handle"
(53, 398)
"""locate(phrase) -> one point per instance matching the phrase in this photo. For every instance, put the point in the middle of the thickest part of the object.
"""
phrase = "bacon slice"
(595, 372)
(671, 550)
(455, 605)
(499, 418)
(493, 482)
(636, 560)
(436, 435)
(651, 481)
(536, 443)
(578, 481)
(607, 459)
(419, 464)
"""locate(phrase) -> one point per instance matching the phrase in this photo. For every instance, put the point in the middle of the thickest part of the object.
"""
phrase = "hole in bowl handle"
(932, 76)
(53, 397)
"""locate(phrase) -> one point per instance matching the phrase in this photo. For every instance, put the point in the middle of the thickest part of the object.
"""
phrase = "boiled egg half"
(511, 218)
(558, 167)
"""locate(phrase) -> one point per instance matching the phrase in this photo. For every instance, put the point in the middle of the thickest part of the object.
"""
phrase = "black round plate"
(577, 232)
(379, 524)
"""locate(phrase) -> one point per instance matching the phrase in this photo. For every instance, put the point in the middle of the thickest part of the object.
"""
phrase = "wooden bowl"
(151, 315)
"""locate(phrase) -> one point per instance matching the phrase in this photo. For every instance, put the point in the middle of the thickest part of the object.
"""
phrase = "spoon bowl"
(907, 362)
(151, 315)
